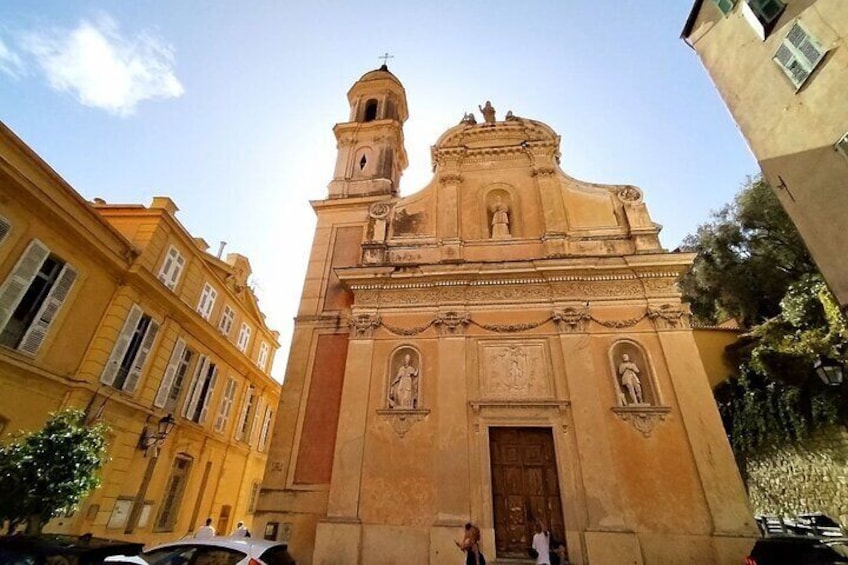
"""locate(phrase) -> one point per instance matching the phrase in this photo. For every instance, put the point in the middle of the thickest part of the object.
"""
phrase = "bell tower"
(371, 156)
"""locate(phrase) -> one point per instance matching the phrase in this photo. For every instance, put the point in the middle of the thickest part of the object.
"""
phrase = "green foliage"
(752, 265)
(748, 255)
(45, 473)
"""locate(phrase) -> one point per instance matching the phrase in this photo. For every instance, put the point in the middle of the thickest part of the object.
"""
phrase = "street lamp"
(832, 373)
(154, 441)
(150, 443)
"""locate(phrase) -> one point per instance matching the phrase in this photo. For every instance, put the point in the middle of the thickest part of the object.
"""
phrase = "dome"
(378, 74)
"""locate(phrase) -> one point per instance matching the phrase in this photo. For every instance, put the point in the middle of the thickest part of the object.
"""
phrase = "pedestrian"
(206, 531)
(471, 545)
(541, 543)
(241, 531)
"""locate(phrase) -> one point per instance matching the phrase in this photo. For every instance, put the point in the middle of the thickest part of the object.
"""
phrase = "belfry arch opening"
(370, 111)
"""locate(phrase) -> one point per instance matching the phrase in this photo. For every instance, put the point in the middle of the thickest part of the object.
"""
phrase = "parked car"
(799, 550)
(62, 550)
(816, 524)
(211, 551)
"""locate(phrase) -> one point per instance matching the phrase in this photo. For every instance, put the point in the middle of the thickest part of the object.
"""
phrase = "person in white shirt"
(541, 545)
(206, 531)
(241, 531)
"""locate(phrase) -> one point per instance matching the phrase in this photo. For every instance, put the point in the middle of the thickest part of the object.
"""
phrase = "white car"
(211, 551)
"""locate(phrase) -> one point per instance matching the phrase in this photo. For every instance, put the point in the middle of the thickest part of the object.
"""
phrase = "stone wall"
(812, 477)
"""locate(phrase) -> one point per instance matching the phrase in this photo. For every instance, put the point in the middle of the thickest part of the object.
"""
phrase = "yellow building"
(505, 345)
(118, 309)
(780, 67)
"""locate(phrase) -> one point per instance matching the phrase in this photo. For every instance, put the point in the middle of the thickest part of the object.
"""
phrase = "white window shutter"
(209, 390)
(266, 423)
(37, 331)
(20, 278)
(5, 228)
(254, 427)
(245, 405)
(170, 374)
(193, 396)
(226, 405)
(121, 345)
(138, 363)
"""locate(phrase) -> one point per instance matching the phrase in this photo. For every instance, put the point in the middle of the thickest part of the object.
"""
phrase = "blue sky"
(228, 107)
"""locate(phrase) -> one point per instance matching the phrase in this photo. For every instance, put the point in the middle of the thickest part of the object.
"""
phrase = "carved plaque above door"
(515, 369)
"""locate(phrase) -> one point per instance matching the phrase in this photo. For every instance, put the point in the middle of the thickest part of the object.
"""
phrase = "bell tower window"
(370, 110)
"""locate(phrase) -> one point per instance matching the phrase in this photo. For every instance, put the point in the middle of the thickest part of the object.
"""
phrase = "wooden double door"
(525, 487)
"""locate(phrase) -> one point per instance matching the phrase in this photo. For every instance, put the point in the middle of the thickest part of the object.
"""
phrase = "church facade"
(505, 346)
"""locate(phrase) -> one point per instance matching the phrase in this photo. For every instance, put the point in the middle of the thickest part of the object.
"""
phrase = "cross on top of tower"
(385, 57)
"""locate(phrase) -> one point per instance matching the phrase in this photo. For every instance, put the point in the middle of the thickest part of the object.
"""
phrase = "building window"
(262, 360)
(266, 424)
(226, 406)
(798, 55)
(207, 301)
(370, 110)
(254, 495)
(172, 268)
(763, 15)
(200, 391)
(842, 145)
(174, 378)
(131, 350)
(246, 412)
(226, 323)
(171, 498)
(725, 5)
(244, 337)
(31, 297)
(5, 228)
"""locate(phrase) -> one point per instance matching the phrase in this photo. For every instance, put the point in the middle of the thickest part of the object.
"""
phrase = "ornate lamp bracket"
(643, 418)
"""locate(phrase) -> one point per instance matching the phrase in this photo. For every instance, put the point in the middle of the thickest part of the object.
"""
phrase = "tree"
(748, 256)
(47, 472)
(751, 264)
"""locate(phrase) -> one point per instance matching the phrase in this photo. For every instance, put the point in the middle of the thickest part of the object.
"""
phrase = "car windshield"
(194, 554)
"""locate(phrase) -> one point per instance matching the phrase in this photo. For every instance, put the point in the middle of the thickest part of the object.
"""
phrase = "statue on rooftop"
(488, 112)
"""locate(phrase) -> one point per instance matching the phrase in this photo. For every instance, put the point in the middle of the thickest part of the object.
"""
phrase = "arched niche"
(364, 162)
(500, 213)
(403, 382)
(633, 375)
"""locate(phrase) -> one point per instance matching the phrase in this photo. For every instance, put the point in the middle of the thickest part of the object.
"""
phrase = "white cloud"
(10, 62)
(103, 69)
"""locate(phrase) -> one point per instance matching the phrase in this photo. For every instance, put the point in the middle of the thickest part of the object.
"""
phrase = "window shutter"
(226, 406)
(193, 395)
(20, 278)
(263, 435)
(805, 45)
(725, 5)
(170, 373)
(5, 228)
(38, 330)
(209, 390)
(121, 345)
(138, 363)
(245, 405)
(254, 427)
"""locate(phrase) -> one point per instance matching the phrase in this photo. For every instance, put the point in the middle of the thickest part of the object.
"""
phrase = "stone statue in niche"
(628, 372)
(488, 112)
(403, 391)
(500, 219)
